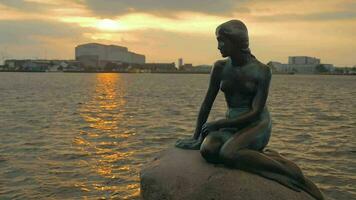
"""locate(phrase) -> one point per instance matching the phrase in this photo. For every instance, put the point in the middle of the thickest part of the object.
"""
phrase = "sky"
(165, 30)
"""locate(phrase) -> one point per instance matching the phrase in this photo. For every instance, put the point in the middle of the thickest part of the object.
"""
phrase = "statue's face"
(225, 45)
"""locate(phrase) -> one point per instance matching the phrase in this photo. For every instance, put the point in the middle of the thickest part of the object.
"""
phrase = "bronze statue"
(239, 140)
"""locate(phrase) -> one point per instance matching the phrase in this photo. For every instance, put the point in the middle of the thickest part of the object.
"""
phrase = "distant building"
(95, 55)
(299, 64)
(202, 68)
(180, 62)
(159, 67)
(303, 64)
(195, 69)
(280, 67)
(89, 61)
(42, 65)
(186, 67)
(329, 67)
(14, 64)
(303, 60)
(27, 65)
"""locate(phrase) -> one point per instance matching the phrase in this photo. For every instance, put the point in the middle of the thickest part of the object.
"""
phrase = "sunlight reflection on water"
(104, 115)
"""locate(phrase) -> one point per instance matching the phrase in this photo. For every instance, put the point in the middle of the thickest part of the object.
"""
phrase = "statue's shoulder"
(263, 69)
(219, 65)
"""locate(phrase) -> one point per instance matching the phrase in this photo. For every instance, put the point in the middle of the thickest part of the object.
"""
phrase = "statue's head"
(232, 36)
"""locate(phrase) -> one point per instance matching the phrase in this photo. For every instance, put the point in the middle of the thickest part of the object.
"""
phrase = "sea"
(88, 135)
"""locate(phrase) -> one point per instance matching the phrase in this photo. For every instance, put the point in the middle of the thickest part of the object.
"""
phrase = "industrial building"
(98, 55)
(303, 60)
(303, 64)
(299, 64)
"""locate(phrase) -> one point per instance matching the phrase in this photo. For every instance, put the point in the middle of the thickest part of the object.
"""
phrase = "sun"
(108, 25)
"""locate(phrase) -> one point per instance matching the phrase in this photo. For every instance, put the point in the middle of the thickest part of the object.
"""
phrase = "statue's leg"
(210, 148)
(308, 185)
(249, 159)
(291, 166)
(236, 152)
(232, 155)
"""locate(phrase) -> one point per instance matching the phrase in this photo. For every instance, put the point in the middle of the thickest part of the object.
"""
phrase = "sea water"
(86, 136)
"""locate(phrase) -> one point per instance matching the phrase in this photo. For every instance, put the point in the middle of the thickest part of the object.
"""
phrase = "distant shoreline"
(177, 72)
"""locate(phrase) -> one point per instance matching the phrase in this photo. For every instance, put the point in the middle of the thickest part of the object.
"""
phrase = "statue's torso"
(239, 83)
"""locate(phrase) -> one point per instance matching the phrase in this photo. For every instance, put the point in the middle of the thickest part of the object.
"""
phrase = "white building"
(107, 53)
(300, 64)
(303, 64)
(303, 60)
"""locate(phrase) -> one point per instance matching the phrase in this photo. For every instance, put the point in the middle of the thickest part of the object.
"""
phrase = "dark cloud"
(24, 6)
(165, 7)
(39, 39)
(23, 32)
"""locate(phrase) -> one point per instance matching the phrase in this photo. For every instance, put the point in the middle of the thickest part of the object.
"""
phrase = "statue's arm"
(258, 103)
(210, 96)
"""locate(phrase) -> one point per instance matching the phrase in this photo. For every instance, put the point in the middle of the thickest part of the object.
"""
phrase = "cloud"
(34, 38)
(164, 7)
(350, 15)
(302, 10)
(32, 5)
(21, 31)
(49, 8)
(313, 17)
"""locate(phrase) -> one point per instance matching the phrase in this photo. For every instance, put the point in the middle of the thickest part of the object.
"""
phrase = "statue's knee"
(210, 148)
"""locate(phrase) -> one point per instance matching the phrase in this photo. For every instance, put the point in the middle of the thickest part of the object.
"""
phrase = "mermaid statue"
(239, 140)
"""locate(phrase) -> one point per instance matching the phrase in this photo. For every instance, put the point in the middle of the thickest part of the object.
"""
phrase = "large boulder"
(178, 174)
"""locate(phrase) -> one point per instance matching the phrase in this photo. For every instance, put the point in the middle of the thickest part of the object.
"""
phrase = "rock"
(178, 174)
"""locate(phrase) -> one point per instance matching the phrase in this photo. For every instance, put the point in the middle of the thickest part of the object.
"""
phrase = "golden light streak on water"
(104, 114)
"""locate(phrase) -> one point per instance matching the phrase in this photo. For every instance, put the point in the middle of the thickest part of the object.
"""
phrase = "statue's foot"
(284, 180)
(307, 185)
(313, 190)
(191, 144)
(271, 152)
(186, 140)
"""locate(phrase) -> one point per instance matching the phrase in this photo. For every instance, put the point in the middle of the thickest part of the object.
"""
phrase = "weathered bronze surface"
(238, 141)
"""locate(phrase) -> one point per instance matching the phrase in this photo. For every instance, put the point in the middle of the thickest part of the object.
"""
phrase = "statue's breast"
(236, 80)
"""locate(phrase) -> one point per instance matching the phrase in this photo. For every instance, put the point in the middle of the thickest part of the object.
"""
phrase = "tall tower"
(180, 63)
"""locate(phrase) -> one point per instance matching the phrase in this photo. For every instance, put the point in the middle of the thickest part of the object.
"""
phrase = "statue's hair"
(236, 31)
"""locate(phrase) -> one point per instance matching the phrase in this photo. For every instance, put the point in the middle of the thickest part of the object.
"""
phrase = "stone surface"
(178, 174)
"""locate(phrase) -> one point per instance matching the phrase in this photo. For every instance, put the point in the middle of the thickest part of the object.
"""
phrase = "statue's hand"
(209, 127)
(193, 144)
